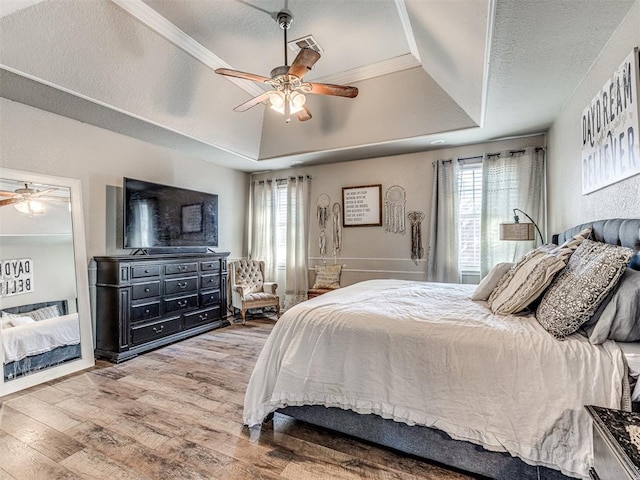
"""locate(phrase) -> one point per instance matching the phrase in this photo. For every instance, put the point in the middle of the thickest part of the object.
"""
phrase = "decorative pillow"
(593, 270)
(570, 246)
(620, 318)
(40, 314)
(526, 281)
(327, 276)
(15, 321)
(490, 281)
(533, 273)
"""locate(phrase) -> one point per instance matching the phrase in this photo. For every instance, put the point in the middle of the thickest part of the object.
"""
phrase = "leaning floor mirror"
(45, 318)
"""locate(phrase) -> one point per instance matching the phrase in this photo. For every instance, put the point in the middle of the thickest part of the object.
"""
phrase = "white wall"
(38, 141)
(567, 205)
(369, 252)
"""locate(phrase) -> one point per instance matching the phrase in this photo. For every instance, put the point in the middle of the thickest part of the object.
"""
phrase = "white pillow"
(16, 321)
(490, 281)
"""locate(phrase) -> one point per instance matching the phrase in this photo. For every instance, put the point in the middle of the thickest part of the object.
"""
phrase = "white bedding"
(40, 337)
(631, 352)
(424, 353)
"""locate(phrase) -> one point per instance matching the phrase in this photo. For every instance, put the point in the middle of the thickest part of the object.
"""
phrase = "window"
(469, 209)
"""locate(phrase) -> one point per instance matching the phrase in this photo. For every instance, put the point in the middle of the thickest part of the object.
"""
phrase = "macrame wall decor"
(417, 252)
(394, 207)
(323, 215)
(337, 229)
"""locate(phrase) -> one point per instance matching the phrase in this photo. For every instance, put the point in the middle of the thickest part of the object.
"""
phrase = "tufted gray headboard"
(62, 307)
(616, 231)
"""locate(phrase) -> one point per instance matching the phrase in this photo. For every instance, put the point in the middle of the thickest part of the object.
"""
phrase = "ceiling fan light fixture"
(278, 99)
(297, 100)
(30, 207)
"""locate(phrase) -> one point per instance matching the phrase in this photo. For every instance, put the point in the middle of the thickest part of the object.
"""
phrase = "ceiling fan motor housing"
(284, 19)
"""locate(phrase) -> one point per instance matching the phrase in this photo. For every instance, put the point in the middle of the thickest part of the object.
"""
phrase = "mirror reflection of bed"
(39, 326)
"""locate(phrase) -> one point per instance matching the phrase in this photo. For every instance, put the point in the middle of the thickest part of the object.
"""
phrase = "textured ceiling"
(459, 71)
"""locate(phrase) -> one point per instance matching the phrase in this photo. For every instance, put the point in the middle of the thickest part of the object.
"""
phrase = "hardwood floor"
(176, 413)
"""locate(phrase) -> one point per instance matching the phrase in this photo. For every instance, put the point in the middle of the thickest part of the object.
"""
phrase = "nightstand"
(615, 457)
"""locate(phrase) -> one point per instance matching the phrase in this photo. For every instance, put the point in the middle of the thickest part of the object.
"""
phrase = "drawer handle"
(147, 311)
(147, 290)
(158, 330)
(204, 316)
(182, 268)
(182, 303)
(146, 271)
(182, 284)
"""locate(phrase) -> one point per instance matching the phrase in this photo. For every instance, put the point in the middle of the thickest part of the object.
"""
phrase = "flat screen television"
(164, 217)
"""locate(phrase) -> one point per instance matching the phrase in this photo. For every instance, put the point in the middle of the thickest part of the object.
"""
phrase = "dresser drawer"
(209, 281)
(145, 290)
(145, 311)
(141, 271)
(173, 268)
(210, 266)
(201, 317)
(153, 331)
(207, 298)
(181, 303)
(183, 284)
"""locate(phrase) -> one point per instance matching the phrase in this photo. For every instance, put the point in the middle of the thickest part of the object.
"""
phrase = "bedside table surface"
(614, 422)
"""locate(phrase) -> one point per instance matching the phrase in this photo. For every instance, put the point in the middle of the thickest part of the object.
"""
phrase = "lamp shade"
(517, 231)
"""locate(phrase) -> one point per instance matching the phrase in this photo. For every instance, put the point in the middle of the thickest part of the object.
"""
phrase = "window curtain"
(298, 209)
(510, 180)
(264, 207)
(443, 236)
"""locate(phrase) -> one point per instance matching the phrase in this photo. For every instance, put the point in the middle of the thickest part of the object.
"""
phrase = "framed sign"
(16, 277)
(610, 136)
(192, 218)
(362, 206)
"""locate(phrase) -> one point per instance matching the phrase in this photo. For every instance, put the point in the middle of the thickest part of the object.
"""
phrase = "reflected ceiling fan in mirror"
(30, 200)
(288, 94)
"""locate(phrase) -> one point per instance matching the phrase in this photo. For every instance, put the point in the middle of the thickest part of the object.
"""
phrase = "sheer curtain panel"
(263, 237)
(510, 180)
(298, 208)
(443, 236)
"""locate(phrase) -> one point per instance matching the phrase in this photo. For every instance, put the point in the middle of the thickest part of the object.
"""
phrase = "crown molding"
(403, 62)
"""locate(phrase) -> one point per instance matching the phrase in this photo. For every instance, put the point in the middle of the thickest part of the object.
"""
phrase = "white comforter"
(40, 337)
(424, 353)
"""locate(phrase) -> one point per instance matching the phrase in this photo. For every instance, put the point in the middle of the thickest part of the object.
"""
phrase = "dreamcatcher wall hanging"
(322, 204)
(394, 210)
(417, 252)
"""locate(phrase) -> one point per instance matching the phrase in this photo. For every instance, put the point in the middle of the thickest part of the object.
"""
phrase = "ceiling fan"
(30, 200)
(288, 94)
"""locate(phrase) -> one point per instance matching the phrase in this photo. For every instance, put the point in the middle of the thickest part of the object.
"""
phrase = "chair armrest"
(239, 289)
(270, 287)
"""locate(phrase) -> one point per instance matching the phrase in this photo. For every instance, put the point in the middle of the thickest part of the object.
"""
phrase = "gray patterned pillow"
(40, 314)
(593, 270)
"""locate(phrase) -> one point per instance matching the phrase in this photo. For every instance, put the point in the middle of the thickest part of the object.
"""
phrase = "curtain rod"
(496, 154)
(292, 177)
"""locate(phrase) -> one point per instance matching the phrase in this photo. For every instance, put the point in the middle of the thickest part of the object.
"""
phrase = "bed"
(38, 336)
(421, 368)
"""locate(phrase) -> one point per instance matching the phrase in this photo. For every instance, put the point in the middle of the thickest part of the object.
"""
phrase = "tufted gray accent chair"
(248, 288)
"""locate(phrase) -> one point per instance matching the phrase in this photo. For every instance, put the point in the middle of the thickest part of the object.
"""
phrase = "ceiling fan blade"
(247, 76)
(304, 114)
(306, 59)
(10, 201)
(7, 194)
(252, 103)
(337, 90)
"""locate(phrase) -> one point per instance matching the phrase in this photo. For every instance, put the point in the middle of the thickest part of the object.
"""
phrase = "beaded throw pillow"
(593, 270)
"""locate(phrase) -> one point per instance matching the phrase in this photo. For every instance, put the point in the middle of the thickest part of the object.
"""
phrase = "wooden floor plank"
(176, 413)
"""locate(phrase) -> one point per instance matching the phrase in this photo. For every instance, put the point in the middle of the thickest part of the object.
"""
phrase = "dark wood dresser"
(146, 301)
(616, 457)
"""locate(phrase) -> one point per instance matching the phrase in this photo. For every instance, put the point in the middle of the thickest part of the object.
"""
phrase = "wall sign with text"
(610, 142)
(362, 206)
(16, 277)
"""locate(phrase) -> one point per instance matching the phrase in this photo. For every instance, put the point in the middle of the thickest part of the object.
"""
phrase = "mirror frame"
(82, 285)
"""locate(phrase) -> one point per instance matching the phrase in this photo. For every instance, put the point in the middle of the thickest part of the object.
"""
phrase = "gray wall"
(38, 141)
(369, 252)
(567, 205)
